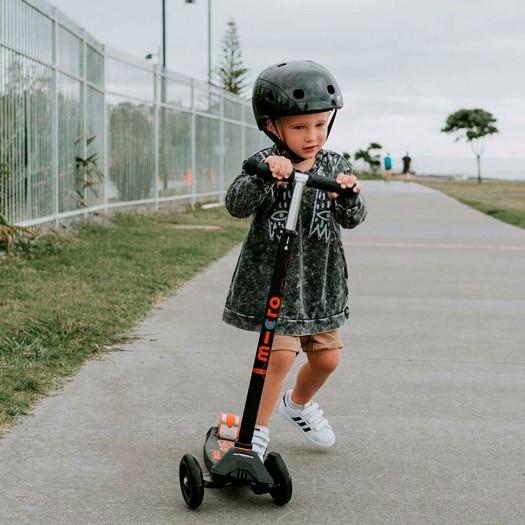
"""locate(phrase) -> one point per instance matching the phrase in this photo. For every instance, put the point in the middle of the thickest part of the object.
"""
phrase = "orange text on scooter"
(269, 324)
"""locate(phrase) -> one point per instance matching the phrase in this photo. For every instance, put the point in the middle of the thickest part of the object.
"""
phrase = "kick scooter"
(228, 454)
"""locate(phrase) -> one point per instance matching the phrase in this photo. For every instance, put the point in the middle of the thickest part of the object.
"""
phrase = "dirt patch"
(205, 227)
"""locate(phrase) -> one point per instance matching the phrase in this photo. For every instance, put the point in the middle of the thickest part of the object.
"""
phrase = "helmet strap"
(281, 145)
(331, 123)
(276, 139)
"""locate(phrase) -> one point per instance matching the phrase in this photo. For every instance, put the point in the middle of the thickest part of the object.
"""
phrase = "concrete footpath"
(428, 404)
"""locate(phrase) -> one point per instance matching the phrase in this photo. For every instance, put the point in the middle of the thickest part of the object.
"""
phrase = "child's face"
(305, 135)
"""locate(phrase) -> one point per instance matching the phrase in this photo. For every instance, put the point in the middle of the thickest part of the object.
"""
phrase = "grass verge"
(504, 200)
(66, 305)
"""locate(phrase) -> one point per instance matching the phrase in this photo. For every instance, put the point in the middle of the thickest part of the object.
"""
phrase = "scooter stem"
(271, 316)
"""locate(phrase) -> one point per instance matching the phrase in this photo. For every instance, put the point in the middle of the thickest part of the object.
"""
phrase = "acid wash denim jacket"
(316, 290)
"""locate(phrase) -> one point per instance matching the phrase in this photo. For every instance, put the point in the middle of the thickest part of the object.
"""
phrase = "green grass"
(364, 175)
(60, 308)
(504, 200)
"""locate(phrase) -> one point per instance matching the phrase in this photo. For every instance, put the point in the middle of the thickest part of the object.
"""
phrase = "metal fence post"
(193, 145)
(84, 135)
(222, 158)
(106, 132)
(54, 119)
(156, 133)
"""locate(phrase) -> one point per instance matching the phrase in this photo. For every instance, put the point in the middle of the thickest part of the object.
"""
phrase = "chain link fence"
(85, 128)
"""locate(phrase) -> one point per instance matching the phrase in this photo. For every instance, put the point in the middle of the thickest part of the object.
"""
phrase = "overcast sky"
(403, 65)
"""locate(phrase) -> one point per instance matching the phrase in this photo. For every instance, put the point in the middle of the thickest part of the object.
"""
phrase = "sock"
(263, 429)
(293, 405)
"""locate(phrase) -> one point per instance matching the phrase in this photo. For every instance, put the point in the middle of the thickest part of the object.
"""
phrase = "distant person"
(406, 166)
(388, 166)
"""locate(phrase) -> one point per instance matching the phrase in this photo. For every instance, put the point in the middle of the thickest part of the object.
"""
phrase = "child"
(295, 104)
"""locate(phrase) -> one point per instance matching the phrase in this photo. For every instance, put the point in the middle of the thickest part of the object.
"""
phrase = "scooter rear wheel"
(191, 481)
(281, 493)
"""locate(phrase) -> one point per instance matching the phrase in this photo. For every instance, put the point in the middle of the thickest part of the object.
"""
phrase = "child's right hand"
(281, 168)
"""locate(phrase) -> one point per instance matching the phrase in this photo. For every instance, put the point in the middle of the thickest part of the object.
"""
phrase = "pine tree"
(232, 73)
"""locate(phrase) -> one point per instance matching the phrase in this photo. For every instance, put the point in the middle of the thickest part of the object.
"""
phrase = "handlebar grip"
(261, 169)
(325, 184)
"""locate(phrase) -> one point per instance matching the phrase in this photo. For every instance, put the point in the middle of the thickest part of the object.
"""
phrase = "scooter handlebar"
(263, 171)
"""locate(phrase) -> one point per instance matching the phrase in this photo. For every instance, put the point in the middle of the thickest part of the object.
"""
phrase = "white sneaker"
(310, 420)
(261, 440)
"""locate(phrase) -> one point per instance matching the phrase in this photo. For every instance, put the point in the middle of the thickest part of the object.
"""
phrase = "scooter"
(228, 454)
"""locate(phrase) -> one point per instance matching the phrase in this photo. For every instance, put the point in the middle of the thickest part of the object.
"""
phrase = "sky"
(403, 65)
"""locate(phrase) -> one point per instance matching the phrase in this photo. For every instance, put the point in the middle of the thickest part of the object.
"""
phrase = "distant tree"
(132, 157)
(232, 72)
(472, 125)
(371, 156)
(24, 137)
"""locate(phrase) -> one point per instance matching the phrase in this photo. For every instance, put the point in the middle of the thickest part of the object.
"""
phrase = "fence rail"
(86, 128)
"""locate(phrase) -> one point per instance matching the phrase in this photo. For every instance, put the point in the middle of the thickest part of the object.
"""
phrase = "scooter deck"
(228, 464)
(215, 447)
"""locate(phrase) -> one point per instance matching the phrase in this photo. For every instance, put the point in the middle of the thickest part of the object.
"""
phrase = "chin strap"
(282, 146)
(331, 123)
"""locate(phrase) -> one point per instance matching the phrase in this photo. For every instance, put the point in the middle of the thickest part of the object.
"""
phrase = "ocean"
(491, 168)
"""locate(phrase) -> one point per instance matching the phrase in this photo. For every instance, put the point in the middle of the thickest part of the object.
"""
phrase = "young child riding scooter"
(295, 104)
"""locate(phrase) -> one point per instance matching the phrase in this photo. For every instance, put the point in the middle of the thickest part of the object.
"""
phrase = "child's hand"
(281, 168)
(346, 181)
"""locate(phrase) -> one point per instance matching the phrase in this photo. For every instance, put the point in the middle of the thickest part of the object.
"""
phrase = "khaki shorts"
(315, 342)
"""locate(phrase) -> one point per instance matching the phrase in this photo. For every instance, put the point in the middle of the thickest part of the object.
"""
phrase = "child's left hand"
(346, 181)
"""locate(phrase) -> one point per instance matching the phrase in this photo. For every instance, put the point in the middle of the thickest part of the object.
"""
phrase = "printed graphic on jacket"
(277, 220)
(321, 218)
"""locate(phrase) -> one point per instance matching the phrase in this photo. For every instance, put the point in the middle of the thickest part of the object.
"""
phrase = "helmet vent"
(330, 89)
(298, 93)
(281, 64)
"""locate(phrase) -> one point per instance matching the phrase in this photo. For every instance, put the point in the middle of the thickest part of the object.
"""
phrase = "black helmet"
(294, 88)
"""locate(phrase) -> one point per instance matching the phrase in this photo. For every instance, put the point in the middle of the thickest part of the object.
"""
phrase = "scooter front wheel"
(281, 492)
(191, 481)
